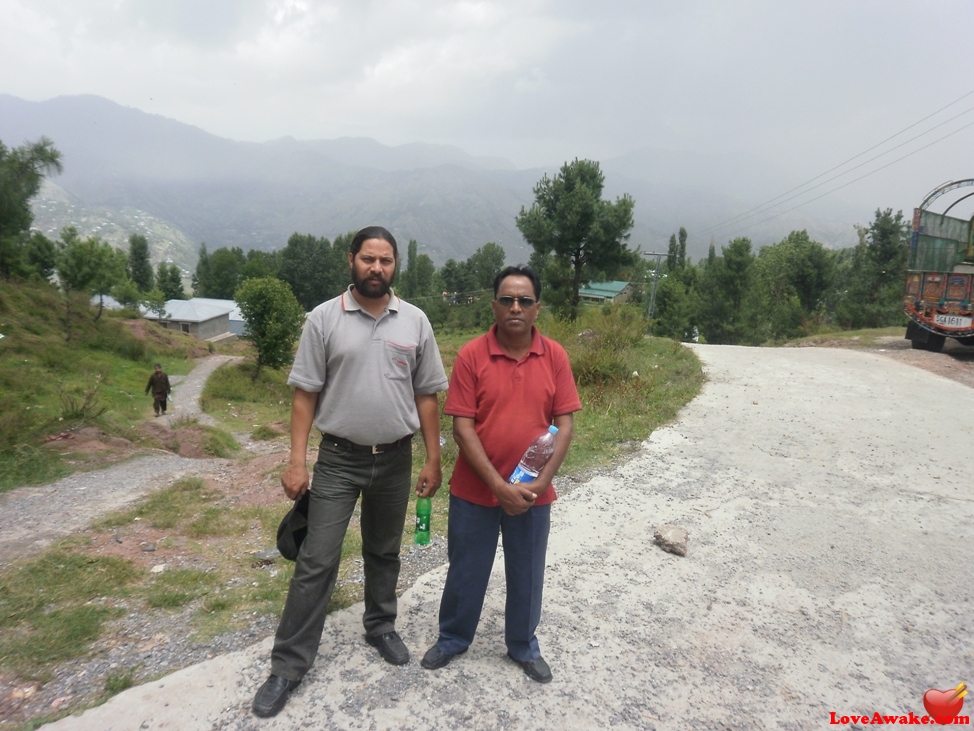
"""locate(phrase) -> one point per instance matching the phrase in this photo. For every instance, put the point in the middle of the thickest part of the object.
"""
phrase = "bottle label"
(522, 475)
(422, 522)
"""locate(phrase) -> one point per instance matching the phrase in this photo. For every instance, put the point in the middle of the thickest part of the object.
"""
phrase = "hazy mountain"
(127, 171)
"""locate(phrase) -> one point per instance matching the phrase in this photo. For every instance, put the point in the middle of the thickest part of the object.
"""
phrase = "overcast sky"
(805, 84)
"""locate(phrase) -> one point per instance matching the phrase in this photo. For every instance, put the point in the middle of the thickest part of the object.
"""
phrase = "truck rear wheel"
(918, 345)
(969, 340)
(935, 343)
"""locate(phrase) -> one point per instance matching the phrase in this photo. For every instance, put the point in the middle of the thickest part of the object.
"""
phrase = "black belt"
(373, 448)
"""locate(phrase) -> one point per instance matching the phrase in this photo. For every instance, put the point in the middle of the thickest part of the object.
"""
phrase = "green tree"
(274, 320)
(725, 308)
(110, 272)
(672, 253)
(139, 266)
(202, 275)
(681, 253)
(41, 255)
(87, 265)
(261, 264)
(21, 171)
(674, 314)
(226, 273)
(570, 221)
(872, 285)
(314, 268)
(457, 277)
(485, 263)
(169, 281)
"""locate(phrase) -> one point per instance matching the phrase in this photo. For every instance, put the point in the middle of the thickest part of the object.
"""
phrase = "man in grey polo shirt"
(366, 374)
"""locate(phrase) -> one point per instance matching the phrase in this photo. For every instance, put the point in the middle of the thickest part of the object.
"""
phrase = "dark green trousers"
(341, 475)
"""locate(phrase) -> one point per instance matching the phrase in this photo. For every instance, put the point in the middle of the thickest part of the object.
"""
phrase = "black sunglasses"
(525, 302)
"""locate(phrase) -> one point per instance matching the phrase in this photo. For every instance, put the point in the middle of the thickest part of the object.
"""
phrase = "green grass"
(53, 607)
(175, 588)
(243, 404)
(49, 385)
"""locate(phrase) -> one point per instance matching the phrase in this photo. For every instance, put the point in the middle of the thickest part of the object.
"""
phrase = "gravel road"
(828, 496)
(32, 517)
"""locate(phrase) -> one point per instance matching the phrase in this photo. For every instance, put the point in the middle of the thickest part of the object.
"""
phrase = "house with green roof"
(602, 292)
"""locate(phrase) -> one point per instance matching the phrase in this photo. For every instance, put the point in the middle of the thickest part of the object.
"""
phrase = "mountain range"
(128, 171)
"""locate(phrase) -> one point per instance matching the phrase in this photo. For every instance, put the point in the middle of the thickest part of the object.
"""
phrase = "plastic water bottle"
(535, 457)
(424, 508)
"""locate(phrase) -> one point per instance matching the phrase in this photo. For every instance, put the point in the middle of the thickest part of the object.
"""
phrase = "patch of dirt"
(255, 482)
(955, 362)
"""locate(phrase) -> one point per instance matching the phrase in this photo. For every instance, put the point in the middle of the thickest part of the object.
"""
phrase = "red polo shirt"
(511, 403)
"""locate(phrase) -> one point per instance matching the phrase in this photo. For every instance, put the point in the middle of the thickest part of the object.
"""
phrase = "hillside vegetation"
(49, 385)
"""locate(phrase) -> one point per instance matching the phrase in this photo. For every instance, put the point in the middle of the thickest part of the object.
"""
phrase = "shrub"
(600, 342)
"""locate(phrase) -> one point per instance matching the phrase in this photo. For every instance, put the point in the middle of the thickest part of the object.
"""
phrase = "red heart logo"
(943, 705)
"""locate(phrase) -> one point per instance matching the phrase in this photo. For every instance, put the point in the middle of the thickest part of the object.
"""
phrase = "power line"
(855, 167)
(856, 180)
(836, 167)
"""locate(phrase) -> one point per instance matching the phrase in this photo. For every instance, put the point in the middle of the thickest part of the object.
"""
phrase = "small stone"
(148, 547)
(268, 554)
(672, 538)
(158, 569)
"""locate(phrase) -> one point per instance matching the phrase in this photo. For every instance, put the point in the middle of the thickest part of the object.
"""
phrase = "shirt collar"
(350, 303)
(494, 347)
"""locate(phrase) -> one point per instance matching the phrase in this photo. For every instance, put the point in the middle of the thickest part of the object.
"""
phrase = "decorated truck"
(937, 295)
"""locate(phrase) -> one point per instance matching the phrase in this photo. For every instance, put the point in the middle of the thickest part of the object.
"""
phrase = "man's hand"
(429, 479)
(514, 499)
(295, 480)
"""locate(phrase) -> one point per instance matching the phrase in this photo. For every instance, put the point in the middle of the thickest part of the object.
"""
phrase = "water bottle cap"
(552, 429)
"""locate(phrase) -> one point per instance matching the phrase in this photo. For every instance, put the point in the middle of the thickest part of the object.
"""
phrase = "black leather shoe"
(436, 658)
(273, 695)
(536, 669)
(390, 646)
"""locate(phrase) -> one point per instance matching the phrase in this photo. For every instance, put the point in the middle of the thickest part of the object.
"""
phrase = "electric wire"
(754, 212)
(856, 180)
(842, 164)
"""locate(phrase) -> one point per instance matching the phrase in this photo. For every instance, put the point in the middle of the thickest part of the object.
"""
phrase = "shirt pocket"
(398, 361)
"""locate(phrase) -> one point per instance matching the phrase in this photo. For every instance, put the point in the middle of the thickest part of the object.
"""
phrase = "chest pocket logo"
(398, 361)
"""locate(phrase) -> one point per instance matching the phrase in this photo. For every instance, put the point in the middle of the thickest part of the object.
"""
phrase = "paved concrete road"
(828, 495)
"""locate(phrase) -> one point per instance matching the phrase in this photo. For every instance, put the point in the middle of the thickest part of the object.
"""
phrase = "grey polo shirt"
(367, 371)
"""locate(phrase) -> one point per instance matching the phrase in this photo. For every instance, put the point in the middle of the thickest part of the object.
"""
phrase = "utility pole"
(652, 296)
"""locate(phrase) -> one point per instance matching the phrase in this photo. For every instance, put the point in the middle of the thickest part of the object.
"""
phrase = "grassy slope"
(49, 384)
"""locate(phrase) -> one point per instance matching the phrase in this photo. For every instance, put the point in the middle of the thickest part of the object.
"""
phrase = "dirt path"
(831, 512)
(32, 517)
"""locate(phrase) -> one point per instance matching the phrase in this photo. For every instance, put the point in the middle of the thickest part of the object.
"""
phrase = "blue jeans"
(340, 476)
(472, 545)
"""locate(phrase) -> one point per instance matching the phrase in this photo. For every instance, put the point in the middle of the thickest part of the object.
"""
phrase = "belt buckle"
(376, 450)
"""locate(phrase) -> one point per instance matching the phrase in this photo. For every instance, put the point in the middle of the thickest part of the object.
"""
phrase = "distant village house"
(602, 292)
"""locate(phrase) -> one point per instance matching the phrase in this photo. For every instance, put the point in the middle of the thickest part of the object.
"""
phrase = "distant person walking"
(366, 376)
(159, 385)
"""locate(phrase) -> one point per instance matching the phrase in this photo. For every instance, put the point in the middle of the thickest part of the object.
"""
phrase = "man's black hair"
(373, 232)
(158, 365)
(519, 271)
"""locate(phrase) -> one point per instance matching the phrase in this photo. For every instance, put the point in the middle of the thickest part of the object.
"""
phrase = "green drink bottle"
(424, 507)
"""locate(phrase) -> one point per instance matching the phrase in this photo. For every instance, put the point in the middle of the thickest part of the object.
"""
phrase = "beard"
(373, 288)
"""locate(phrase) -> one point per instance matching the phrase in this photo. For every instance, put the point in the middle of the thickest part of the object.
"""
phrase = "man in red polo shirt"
(507, 387)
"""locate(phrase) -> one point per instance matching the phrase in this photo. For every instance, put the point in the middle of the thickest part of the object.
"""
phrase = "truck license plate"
(954, 321)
